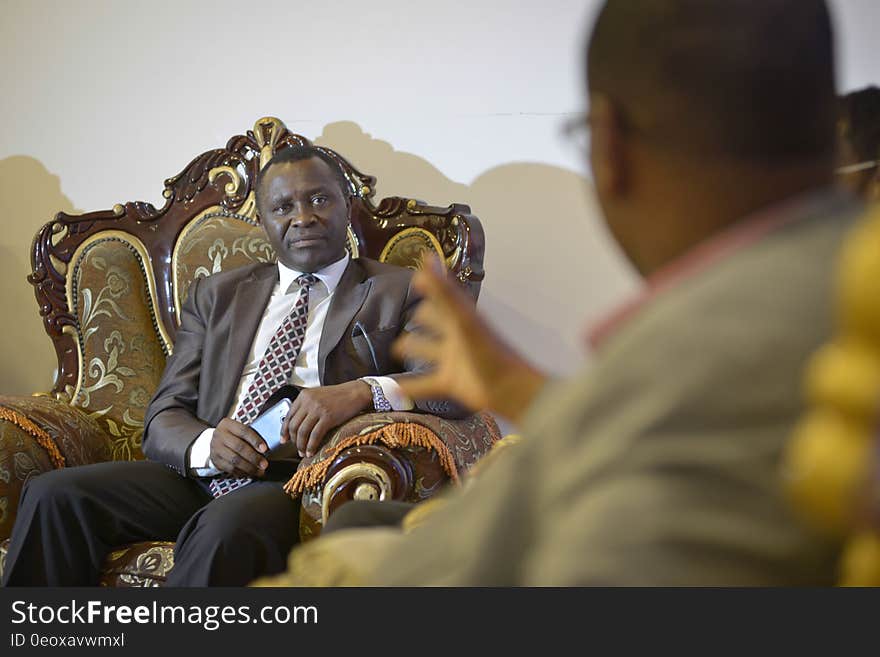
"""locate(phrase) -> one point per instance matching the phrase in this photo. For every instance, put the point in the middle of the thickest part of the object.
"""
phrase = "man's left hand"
(315, 411)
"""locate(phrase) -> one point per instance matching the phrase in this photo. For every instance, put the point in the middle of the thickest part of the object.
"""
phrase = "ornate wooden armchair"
(110, 285)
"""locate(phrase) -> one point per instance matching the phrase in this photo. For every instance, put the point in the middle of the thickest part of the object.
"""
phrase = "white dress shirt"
(305, 372)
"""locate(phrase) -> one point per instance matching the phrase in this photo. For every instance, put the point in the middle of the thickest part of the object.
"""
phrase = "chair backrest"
(110, 284)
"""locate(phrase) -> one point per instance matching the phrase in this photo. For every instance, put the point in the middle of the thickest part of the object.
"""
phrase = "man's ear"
(608, 157)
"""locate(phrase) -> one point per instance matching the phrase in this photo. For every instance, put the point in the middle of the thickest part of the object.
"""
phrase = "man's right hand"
(238, 450)
(471, 364)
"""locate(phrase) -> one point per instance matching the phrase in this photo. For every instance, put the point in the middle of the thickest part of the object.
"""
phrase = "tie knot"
(306, 280)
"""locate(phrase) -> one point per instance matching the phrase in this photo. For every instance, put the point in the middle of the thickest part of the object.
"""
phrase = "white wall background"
(114, 96)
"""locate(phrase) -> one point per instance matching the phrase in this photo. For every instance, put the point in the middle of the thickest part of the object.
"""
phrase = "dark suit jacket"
(217, 326)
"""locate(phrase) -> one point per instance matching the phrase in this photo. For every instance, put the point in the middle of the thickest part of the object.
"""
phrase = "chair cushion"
(118, 338)
(216, 241)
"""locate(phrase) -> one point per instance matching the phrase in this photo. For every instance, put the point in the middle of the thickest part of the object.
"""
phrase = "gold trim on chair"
(353, 249)
(234, 183)
(407, 234)
(380, 485)
(267, 132)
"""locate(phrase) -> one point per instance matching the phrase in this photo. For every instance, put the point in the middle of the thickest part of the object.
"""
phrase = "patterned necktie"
(274, 371)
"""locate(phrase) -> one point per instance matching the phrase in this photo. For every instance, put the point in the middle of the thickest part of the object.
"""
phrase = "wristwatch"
(380, 402)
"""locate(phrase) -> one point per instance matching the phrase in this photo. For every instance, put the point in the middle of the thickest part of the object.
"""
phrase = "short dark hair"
(860, 122)
(301, 152)
(749, 79)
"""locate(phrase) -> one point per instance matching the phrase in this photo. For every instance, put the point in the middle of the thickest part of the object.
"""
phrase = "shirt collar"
(329, 275)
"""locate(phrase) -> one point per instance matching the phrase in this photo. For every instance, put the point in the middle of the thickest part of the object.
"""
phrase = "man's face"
(304, 213)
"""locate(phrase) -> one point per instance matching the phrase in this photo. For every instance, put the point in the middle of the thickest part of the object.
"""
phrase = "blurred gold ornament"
(827, 464)
(845, 374)
(859, 301)
(860, 564)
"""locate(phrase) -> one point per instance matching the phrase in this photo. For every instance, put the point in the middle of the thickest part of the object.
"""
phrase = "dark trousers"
(70, 519)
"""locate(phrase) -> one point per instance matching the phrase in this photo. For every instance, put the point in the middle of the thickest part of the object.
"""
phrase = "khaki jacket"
(659, 464)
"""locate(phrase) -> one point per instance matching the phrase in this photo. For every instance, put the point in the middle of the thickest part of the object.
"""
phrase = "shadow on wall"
(551, 268)
(29, 197)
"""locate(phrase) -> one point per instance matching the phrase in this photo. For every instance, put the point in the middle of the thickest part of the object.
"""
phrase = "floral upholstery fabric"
(139, 565)
(135, 565)
(123, 358)
(78, 438)
(214, 242)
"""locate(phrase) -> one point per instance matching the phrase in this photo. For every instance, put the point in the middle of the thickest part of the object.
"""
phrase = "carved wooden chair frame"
(224, 177)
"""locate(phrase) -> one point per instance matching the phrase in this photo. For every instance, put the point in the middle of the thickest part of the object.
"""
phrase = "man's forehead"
(302, 174)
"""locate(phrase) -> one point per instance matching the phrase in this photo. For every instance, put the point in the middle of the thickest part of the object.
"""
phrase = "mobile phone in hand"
(268, 424)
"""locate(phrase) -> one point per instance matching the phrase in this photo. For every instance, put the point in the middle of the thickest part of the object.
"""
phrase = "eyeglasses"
(855, 168)
(576, 129)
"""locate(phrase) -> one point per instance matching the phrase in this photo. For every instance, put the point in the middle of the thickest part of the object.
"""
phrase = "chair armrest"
(38, 434)
(395, 456)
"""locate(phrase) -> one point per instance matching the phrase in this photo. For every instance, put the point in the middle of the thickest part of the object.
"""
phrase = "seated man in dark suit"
(317, 320)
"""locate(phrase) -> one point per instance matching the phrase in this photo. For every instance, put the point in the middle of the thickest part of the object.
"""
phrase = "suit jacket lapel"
(347, 300)
(246, 309)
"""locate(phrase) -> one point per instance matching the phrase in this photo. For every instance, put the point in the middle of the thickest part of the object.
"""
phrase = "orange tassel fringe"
(43, 439)
(396, 434)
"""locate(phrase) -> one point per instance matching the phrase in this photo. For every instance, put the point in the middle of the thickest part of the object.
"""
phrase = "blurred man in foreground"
(712, 151)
